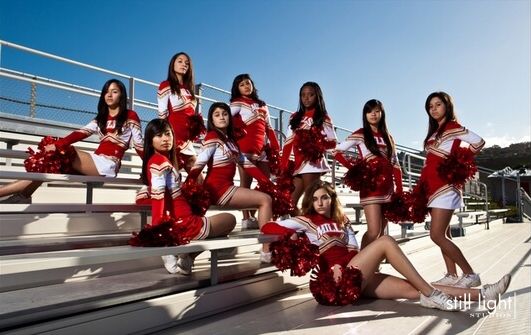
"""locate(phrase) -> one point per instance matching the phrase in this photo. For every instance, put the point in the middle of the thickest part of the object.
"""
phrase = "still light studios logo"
(503, 308)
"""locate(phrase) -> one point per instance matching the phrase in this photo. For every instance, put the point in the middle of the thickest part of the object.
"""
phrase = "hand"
(294, 236)
(50, 147)
(337, 270)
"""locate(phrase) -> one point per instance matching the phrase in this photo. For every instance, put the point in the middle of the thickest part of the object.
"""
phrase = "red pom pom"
(56, 161)
(299, 256)
(458, 167)
(273, 157)
(197, 196)
(376, 173)
(196, 126)
(398, 209)
(418, 204)
(327, 291)
(280, 195)
(165, 234)
(311, 144)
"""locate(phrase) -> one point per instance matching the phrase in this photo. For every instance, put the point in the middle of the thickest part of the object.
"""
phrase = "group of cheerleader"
(240, 135)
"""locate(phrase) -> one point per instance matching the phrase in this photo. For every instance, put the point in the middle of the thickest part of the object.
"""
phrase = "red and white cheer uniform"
(221, 157)
(381, 193)
(440, 193)
(337, 244)
(252, 117)
(301, 165)
(166, 199)
(112, 147)
(177, 109)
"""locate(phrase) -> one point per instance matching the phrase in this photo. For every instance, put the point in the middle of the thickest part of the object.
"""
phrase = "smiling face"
(322, 202)
(112, 96)
(163, 142)
(245, 87)
(437, 109)
(220, 118)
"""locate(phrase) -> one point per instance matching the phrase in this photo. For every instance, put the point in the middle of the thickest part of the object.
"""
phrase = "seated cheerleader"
(323, 223)
(375, 146)
(115, 125)
(221, 153)
(159, 173)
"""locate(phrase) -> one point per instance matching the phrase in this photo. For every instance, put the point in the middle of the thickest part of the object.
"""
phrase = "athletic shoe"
(494, 291)
(184, 264)
(438, 300)
(16, 198)
(265, 257)
(448, 280)
(468, 280)
(170, 263)
(250, 223)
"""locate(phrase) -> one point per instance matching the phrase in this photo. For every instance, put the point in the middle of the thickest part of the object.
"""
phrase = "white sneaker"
(265, 257)
(184, 264)
(170, 263)
(468, 280)
(438, 300)
(492, 292)
(448, 280)
(250, 223)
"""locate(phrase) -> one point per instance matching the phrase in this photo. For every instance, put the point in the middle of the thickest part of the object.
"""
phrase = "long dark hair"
(103, 109)
(336, 210)
(153, 128)
(320, 108)
(235, 91)
(450, 115)
(229, 136)
(370, 142)
(188, 78)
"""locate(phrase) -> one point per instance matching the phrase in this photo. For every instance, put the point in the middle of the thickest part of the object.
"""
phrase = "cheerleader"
(444, 137)
(177, 103)
(159, 173)
(116, 127)
(221, 153)
(251, 114)
(373, 141)
(310, 116)
(323, 223)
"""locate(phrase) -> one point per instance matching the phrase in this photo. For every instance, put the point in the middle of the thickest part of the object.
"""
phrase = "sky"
(395, 51)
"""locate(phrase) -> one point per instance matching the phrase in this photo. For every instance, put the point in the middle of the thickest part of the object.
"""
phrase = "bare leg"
(84, 164)
(221, 224)
(24, 187)
(245, 182)
(440, 221)
(375, 224)
(368, 260)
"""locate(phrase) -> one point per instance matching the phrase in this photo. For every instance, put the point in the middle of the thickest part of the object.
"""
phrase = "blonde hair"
(336, 210)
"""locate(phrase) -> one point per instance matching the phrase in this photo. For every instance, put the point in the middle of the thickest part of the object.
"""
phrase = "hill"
(514, 156)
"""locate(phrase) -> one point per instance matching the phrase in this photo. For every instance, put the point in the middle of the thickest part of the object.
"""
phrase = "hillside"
(515, 155)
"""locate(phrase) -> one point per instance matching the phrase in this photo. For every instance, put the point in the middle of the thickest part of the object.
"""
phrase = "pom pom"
(458, 167)
(197, 196)
(311, 144)
(280, 195)
(196, 126)
(370, 175)
(418, 204)
(274, 160)
(165, 234)
(299, 256)
(398, 209)
(327, 291)
(56, 161)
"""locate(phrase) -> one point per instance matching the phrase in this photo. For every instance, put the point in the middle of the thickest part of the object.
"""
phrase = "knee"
(437, 238)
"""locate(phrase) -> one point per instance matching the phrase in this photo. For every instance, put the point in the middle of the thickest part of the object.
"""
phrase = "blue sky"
(395, 51)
